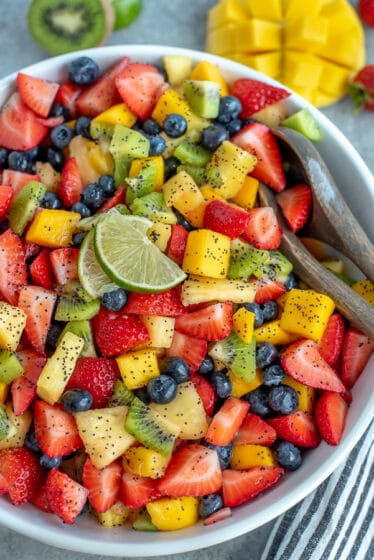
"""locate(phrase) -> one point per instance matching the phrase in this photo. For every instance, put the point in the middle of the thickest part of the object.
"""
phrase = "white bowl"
(86, 535)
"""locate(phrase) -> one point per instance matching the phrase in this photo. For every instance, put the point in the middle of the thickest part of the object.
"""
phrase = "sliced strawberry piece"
(227, 421)
(357, 349)
(258, 140)
(225, 218)
(3, 485)
(19, 126)
(194, 470)
(22, 472)
(36, 93)
(67, 95)
(101, 95)
(255, 95)
(6, 195)
(115, 333)
(140, 85)
(205, 392)
(298, 428)
(267, 290)
(38, 304)
(51, 122)
(40, 500)
(303, 362)
(64, 263)
(65, 496)
(241, 486)
(177, 243)
(55, 430)
(103, 485)
(191, 350)
(330, 413)
(219, 515)
(24, 387)
(296, 204)
(71, 184)
(96, 375)
(31, 249)
(254, 430)
(117, 198)
(263, 230)
(214, 322)
(17, 179)
(41, 271)
(331, 341)
(167, 304)
(137, 490)
(12, 265)
(32, 363)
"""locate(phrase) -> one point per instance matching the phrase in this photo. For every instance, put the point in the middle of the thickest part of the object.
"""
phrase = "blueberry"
(30, 441)
(206, 366)
(4, 225)
(114, 300)
(151, 127)
(213, 136)
(50, 200)
(171, 163)
(234, 126)
(82, 126)
(157, 145)
(50, 462)
(142, 394)
(229, 108)
(56, 158)
(283, 399)
(174, 125)
(221, 383)
(259, 401)
(224, 453)
(54, 332)
(209, 504)
(291, 282)
(162, 389)
(266, 354)
(59, 110)
(106, 184)
(19, 162)
(270, 310)
(256, 309)
(287, 455)
(177, 368)
(77, 239)
(92, 196)
(82, 209)
(4, 153)
(83, 71)
(76, 400)
(273, 375)
(33, 153)
(61, 135)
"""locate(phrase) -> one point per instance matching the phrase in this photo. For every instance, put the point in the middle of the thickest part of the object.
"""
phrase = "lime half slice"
(130, 258)
(92, 277)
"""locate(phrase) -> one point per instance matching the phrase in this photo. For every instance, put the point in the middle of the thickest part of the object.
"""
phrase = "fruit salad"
(160, 363)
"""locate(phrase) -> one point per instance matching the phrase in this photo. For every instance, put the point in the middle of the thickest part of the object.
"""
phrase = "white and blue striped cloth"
(336, 521)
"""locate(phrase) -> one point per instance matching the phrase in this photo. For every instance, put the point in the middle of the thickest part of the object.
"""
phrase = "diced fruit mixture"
(160, 363)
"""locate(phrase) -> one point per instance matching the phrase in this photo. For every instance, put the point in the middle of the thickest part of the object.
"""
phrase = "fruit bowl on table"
(86, 535)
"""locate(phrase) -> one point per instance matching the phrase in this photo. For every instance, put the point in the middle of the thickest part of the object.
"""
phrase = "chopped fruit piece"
(6, 195)
(64, 263)
(241, 486)
(160, 330)
(197, 289)
(357, 349)
(245, 456)
(40, 270)
(306, 395)
(227, 421)
(254, 430)
(213, 322)
(296, 203)
(205, 391)
(66, 497)
(138, 491)
(298, 428)
(55, 430)
(143, 461)
(24, 387)
(22, 472)
(330, 413)
(172, 514)
(12, 323)
(17, 179)
(268, 290)
(218, 515)
(191, 350)
(103, 485)
(38, 305)
(12, 265)
(53, 228)
(176, 245)
(225, 218)
(67, 96)
(263, 230)
(255, 95)
(207, 253)
(243, 323)
(365, 288)
(20, 128)
(96, 375)
(138, 368)
(36, 93)
(71, 185)
(366, 11)
(166, 303)
(331, 342)
(20, 424)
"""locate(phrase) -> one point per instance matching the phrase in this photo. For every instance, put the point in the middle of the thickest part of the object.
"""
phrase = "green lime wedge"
(92, 277)
(130, 258)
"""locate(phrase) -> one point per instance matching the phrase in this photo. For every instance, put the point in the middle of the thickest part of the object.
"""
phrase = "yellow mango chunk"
(240, 387)
(272, 332)
(160, 330)
(306, 313)
(271, 10)
(262, 35)
(243, 323)
(209, 193)
(117, 114)
(306, 395)
(226, 11)
(53, 228)
(4, 390)
(196, 216)
(306, 34)
(138, 367)
(181, 192)
(268, 63)
(246, 197)
(365, 288)
(12, 323)
(171, 514)
(207, 71)
(252, 455)
(157, 163)
(145, 462)
(294, 8)
(207, 254)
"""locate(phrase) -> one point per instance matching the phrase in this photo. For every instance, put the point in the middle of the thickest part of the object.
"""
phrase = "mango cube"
(227, 11)
(12, 323)
(117, 114)
(171, 514)
(270, 63)
(207, 254)
(271, 10)
(306, 34)
(4, 390)
(240, 387)
(181, 192)
(137, 368)
(247, 195)
(243, 323)
(262, 35)
(145, 462)
(272, 332)
(196, 216)
(252, 455)
(205, 70)
(53, 228)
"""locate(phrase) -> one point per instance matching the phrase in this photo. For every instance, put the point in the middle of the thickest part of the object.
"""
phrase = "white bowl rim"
(45, 528)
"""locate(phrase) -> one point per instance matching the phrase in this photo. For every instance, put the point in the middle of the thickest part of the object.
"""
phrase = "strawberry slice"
(205, 392)
(225, 218)
(267, 290)
(41, 271)
(296, 204)
(6, 195)
(227, 421)
(67, 96)
(22, 472)
(71, 184)
(65, 496)
(103, 485)
(96, 375)
(263, 230)
(140, 85)
(255, 95)
(330, 413)
(357, 349)
(17, 179)
(19, 126)
(12, 265)
(38, 304)
(258, 140)
(303, 362)
(213, 322)
(55, 430)
(40, 500)
(167, 304)
(51, 122)
(255, 430)
(117, 198)
(24, 387)
(241, 486)
(177, 243)
(101, 95)
(331, 341)
(219, 515)
(137, 490)
(64, 263)
(298, 428)
(3, 485)
(194, 470)
(36, 93)
(192, 350)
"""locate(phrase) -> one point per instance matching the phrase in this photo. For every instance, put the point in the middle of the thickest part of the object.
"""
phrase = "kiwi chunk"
(121, 396)
(4, 424)
(304, 122)
(10, 366)
(24, 204)
(197, 173)
(150, 429)
(246, 260)
(61, 26)
(203, 97)
(153, 206)
(192, 154)
(83, 330)
(236, 355)
(144, 522)
(70, 308)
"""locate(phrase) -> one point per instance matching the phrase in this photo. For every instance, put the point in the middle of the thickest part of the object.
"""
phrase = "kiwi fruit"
(143, 522)
(197, 173)
(192, 154)
(121, 396)
(70, 308)
(10, 366)
(153, 206)
(203, 97)
(236, 355)
(4, 424)
(246, 260)
(83, 330)
(61, 26)
(24, 204)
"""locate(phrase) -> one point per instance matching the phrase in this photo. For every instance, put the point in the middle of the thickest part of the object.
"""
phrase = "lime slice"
(125, 12)
(92, 277)
(130, 258)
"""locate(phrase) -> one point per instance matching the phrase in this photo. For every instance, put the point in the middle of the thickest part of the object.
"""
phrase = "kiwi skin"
(61, 26)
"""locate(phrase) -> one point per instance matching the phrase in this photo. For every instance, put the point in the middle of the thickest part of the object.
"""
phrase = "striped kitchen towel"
(336, 521)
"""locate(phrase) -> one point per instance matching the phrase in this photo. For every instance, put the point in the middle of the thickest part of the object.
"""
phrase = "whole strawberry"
(21, 469)
(361, 88)
(366, 11)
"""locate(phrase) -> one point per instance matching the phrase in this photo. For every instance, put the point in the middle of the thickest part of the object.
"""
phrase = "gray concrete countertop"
(177, 23)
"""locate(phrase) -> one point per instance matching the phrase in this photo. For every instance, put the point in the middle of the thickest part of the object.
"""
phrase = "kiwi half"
(61, 26)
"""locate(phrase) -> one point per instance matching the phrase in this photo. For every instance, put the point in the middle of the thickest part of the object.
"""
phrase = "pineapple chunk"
(53, 228)
(251, 455)
(20, 425)
(59, 368)
(197, 289)
(247, 195)
(178, 68)
(116, 516)
(103, 434)
(240, 386)
(160, 234)
(143, 461)
(12, 323)
(243, 323)
(171, 514)
(160, 330)
(79, 148)
(138, 367)
(181, 192)
(207, 254)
